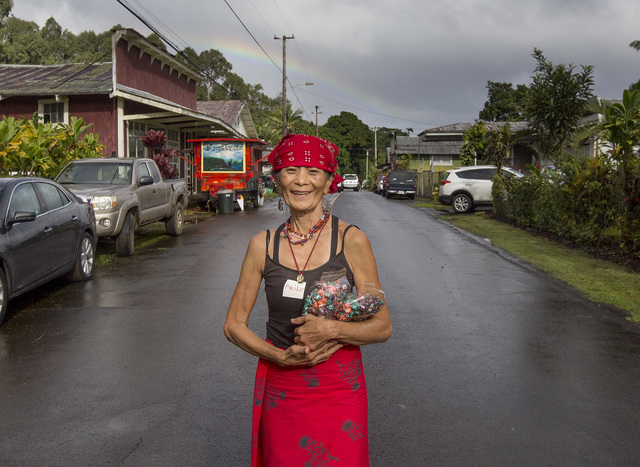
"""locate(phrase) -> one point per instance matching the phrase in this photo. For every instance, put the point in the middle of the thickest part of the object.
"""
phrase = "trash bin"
(225, 201)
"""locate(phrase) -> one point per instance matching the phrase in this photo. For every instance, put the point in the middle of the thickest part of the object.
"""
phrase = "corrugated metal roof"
(42, 80)
(462, 127)
(440, 147)
(227, 111)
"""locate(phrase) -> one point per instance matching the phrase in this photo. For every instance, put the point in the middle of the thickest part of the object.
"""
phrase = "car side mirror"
(22, 216)
(145, 181)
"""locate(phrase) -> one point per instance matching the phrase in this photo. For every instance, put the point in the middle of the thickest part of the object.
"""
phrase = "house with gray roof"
(443, 144)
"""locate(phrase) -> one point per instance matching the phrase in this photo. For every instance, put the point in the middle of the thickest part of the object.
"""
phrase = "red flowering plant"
(332, 298)
(155, 140)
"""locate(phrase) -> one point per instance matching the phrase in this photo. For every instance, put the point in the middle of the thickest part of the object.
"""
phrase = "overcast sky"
(401, 64)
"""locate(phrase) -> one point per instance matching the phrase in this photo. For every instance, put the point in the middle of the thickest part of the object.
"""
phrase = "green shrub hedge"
(589, 202)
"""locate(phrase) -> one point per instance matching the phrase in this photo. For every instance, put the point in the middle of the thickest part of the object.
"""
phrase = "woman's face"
(302, 187)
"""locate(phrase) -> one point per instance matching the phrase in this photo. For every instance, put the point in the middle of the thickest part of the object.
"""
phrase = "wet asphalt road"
(491, 363)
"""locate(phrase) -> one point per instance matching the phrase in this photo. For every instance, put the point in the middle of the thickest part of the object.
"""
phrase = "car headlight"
(103, 203)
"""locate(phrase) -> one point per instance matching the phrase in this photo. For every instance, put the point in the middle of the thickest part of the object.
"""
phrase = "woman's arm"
(314, 331)
(236, 326)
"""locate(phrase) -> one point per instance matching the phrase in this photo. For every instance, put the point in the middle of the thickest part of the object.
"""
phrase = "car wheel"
(175, 224)
(85, 260)
(461, 203)
(412, 196)
(388, 195)
(124, 241)
(4, 296)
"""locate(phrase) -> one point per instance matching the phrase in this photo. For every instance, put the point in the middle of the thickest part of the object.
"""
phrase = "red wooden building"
(141, 88)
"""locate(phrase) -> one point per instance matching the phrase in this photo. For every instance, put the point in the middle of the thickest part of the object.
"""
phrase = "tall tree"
(505, 103)
(352, 137)
(21, 43)
(58, 42)
(474, 144)
(91, 47)
(5, 8)
(555, 102)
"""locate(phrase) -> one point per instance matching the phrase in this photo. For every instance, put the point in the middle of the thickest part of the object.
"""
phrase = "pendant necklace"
(300, 277)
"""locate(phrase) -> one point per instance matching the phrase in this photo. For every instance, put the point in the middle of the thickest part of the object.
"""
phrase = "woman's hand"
(297, 355)
(313, 331)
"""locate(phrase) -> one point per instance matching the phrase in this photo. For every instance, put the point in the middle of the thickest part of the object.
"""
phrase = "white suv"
(351, 182)
(464, 188)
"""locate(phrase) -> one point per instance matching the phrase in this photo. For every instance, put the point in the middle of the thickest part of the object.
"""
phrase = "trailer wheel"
(259, 201)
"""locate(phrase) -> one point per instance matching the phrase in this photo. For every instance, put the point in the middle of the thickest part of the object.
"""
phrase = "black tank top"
(283, 309)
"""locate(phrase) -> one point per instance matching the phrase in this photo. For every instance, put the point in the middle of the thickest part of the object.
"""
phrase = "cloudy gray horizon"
(405, 64)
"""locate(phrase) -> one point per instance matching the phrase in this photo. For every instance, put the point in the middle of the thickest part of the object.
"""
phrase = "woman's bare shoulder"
(354, 237)
(258, 243)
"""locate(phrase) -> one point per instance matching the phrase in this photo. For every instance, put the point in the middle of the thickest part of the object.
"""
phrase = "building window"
(54, 111)
(136, 132)
(173, 141)
(442, 160)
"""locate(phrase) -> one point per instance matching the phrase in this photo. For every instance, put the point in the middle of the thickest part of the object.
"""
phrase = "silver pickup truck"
(126, 193)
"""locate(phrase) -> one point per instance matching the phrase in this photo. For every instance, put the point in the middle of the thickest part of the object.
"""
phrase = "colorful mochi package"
(332, 298)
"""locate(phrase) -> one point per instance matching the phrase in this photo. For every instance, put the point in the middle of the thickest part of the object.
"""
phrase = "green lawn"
(601, 281)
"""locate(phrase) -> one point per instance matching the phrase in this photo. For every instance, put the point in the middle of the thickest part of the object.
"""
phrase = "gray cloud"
(407, 63)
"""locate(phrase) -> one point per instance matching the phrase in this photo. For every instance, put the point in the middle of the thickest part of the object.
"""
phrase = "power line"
(252, 36)
(230, 92)
(187, 59)
(375, 113)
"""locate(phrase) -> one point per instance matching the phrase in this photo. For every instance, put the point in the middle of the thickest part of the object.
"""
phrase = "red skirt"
(308, 417)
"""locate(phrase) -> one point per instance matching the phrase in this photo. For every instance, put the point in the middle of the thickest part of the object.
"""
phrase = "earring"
(280, 204)
(326, 205)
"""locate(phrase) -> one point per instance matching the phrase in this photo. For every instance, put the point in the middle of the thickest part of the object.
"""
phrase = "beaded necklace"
(302, 238)
(300, 277)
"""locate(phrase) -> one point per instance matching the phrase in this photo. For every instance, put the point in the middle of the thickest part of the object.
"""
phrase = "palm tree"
(619, 128)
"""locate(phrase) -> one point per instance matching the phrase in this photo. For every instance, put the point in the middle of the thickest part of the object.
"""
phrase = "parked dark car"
(268, 181)
(45, 232)
(400, 183)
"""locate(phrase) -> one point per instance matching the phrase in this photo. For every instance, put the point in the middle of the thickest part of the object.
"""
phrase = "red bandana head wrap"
(306, 151)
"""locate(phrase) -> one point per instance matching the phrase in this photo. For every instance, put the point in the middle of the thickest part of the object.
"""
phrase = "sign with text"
(223, 156)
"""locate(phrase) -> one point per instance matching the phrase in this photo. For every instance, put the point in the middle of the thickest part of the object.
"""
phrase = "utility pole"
(366, 177)
(316, 112)
(375, 145)
(284, 81)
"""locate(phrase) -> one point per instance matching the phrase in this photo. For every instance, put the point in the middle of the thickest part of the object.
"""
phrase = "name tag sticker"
(294, 289)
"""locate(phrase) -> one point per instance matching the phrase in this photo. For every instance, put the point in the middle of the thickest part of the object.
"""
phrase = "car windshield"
(351, 177)
(92, 174)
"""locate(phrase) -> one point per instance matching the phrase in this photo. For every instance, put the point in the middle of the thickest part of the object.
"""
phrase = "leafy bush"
(586, 203)
(30, 147)
(162, 155)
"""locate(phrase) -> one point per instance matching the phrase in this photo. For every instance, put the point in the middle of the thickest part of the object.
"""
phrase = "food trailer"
(229, 168)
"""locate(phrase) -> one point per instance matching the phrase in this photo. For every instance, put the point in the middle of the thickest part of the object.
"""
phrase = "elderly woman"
(310, 399)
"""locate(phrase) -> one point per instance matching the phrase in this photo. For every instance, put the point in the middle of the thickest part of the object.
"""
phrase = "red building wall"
(99, 110)
(102, 112)
(138, 72)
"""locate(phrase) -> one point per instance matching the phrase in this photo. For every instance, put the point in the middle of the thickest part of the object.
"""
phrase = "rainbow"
(250, 62)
